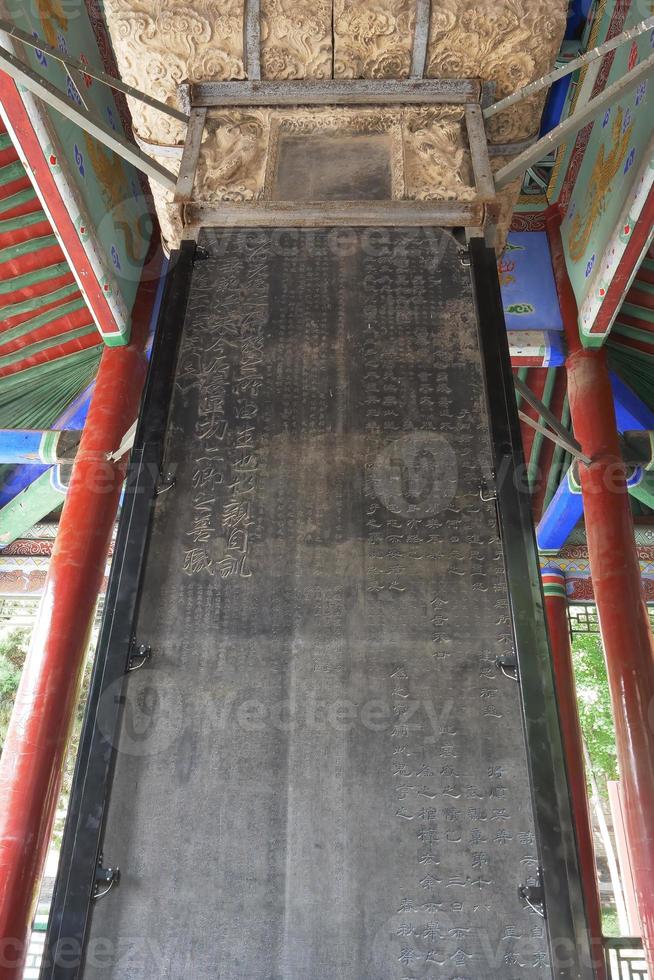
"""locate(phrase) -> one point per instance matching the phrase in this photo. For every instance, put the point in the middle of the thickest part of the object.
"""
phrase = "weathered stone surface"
(322, 774)
(160, 43)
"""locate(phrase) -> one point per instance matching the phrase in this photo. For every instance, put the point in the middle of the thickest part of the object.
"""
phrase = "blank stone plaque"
(322, 774)
(333, 167)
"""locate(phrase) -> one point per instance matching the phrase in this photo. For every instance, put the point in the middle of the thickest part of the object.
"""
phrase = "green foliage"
(594, 702)
(13, 650)
(610, 924)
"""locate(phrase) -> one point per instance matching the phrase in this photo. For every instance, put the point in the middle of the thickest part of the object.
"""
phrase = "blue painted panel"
(529, 294)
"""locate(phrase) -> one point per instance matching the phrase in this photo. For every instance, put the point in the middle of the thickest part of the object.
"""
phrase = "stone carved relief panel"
(296, 39)
(510, 42)
(232, 162)
(429, 156)
(161, 43)
(438, 165)
(373, 38)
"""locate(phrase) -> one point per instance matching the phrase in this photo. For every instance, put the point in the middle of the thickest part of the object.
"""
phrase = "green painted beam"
(29, 350)
(22, 221)
(556, 473)
(26, 248)
(522, 374)
(5, 141)
(15, 200)
(537, 443)
(11, 171)
(30, 506)
(32, 279)
(644, 491)
(27, 326)
(641, 312)
(35, 397)
(36, 302)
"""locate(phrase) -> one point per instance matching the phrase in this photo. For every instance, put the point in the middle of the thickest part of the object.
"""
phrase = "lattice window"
(625, 959)
(584, 619)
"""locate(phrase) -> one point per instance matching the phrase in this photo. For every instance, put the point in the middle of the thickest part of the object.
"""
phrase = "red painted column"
(624, 624)
(557, 625)
(36, 744)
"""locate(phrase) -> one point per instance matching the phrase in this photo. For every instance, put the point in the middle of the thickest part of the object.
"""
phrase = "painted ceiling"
(160, 44)
(43, 317)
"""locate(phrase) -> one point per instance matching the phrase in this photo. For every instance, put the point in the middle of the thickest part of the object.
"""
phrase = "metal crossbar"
(356, 91)
(84, 69)
(569, 68)
(575, 122)
(88, 121)
(557, 432)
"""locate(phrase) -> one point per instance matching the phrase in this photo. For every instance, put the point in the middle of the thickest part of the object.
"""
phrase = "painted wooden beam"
(98, 291)
(34, 503)
(38, 446)
(630, 410)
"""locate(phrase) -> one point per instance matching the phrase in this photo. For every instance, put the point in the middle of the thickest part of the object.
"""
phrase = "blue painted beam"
(72, 418)
(33, 445)
(631, 412)
(566, 508)
(561, 516)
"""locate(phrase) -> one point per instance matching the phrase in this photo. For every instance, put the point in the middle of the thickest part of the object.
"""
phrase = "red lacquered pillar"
(36, 744)
(624, 624)
(557, 625)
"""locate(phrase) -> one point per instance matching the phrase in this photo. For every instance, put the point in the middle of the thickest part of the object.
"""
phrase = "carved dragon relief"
(510, 42)
(296, 39)
(373, 38)
(161, 43)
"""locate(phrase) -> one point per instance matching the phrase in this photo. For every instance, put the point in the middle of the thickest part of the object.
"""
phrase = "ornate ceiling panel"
(161, 43)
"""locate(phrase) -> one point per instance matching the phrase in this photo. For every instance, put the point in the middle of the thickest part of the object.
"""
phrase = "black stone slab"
(322, 774)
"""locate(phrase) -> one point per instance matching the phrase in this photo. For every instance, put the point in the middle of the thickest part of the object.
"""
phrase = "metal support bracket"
(190, 156)
(585, 114)
(534, 895)
(487, 493)
(201, 96)
(557, 432)
(507, 664)
(90, 122)
(105, 879)
(139, 654)
(165, 483)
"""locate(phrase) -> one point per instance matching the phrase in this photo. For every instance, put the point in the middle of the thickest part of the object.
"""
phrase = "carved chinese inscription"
(344, 762)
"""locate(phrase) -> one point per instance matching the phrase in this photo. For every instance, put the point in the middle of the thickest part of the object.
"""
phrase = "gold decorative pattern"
(606, 167)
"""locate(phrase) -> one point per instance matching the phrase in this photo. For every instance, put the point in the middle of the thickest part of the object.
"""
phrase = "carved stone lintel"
(160, 44)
